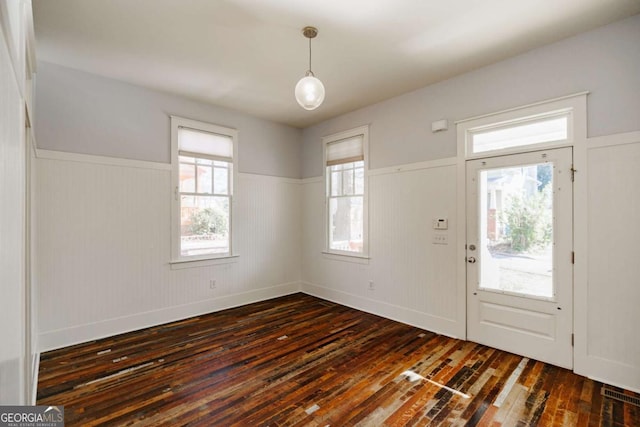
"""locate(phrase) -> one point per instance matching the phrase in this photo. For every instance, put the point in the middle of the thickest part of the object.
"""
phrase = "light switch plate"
(440, 224)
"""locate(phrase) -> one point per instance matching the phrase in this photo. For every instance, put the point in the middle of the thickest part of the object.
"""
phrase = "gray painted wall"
(84, 113)
(605, 61)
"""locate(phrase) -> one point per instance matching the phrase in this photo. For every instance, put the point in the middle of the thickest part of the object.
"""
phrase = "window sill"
(193, 263)
(344, 257)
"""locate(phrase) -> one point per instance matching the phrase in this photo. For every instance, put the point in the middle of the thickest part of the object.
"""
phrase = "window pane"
(202, 161)
(347, 181)
(204, 225)
(516, 230)
(187, 178)
(204, 179)
(221, 180)
(336, 183)
(359, 184)
(546, 130)
(346, 225)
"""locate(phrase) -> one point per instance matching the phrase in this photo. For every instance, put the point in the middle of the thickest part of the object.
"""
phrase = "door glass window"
(516, 230)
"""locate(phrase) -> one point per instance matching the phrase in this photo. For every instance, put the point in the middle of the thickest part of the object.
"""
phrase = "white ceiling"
(248, 54)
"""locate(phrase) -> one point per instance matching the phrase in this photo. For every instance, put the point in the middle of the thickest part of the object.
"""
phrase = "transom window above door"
(543, 125)
(529, 131)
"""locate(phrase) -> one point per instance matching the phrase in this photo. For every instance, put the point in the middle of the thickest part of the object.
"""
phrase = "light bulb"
(309, 92)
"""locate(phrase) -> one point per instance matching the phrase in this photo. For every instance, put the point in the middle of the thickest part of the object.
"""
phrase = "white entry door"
(519, 254)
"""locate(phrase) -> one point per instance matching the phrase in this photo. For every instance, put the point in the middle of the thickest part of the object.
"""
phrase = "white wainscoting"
(103, 248)
(414, 280)
(607, 289)
(103, 251)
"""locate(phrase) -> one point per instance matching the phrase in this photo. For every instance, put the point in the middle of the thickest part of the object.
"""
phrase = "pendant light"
(309, 90)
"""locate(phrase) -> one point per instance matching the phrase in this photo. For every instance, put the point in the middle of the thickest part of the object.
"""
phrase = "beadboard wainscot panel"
(103, 248)
(607, 315)
(270, 231)
(414, 280)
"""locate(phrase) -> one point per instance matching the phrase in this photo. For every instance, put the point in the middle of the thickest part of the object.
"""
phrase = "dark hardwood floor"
(302, 361)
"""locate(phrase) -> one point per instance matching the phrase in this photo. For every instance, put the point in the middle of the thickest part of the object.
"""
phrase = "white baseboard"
(52, 340)
(411, 317)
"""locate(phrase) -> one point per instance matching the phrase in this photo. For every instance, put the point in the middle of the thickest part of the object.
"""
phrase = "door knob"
(471, 260)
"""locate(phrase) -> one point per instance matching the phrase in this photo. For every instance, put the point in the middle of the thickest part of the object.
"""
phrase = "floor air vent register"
(616, 395)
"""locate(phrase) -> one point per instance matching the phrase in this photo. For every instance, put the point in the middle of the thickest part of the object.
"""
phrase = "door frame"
(577, 104)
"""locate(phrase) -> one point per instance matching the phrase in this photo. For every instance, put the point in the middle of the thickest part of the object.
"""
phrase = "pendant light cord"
(309, 53)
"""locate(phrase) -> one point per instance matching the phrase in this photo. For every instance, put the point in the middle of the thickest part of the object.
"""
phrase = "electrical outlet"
(212, 284)
(371, 285)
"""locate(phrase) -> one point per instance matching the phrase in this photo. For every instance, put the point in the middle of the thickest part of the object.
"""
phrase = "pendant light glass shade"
(309, 92)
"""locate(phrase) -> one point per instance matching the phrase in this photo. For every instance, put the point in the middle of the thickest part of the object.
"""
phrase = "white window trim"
(202, 260)
(573, 107)
(364, 131)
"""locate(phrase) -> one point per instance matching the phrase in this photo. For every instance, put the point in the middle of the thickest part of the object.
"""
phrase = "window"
(525, 132)
(546, 124)
(346, 192)
(203, 165)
